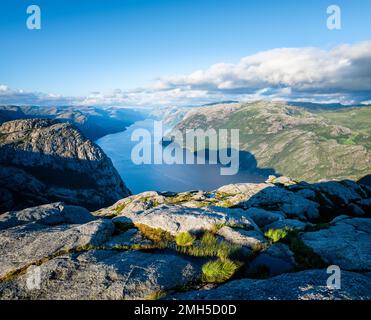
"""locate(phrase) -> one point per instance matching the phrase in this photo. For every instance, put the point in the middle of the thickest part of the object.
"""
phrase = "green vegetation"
(184, 239)
(219, 270)
(210, 246)
(276, 235)
(161, 237)
(300, 143)
(156, 295)
(305, 257)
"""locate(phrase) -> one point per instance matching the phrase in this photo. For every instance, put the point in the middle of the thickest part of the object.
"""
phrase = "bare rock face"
(44, 161)
(304, 285)
(176, 219)
(100, 274)
(346, 243)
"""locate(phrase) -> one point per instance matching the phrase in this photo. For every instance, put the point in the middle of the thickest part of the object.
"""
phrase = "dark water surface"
(164, 177)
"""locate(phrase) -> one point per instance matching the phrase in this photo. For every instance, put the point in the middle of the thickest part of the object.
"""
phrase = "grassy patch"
(160, 237)
(210, 246)
(276, 235)
(219, 270)
(184, 239)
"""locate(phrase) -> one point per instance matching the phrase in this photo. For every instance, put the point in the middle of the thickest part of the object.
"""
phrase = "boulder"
(286, 223)
(100, 274)
(31, 243)
(245, 238)
(263, 217)
(49, 214)
(336, 193)
(304, 285)
(175, 219)
(346, 243)
(277, 259)
(280, 199)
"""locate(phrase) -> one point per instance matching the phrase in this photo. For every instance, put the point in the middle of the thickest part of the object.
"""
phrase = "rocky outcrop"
(176, 219)
(71, 253)
(29, 244)
(305, 285)
(42, 161)
(346, 243)
(154, 244)
(104, 275)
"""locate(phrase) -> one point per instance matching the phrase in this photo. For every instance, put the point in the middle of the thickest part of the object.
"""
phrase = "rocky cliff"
(42, 161)
(272, 240)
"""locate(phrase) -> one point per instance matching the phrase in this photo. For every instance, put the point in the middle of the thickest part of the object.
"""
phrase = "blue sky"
(88, 46)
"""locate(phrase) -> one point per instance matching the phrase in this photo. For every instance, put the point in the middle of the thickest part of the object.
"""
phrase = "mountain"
(43, 160)
(304, 144)
(94, 122)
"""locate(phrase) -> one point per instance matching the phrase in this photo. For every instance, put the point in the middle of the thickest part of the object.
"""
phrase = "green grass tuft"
(219, 270)
(276, 235)
(184, 239)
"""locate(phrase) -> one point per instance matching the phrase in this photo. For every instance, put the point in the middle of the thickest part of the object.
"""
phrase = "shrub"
(276, 234)
(184, 239)
(219, 270)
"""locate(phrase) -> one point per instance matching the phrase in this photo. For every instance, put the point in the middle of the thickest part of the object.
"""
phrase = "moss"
(219, 270)
(184, 239)
(120, 207)
(156, 295)
(226, 204)
(223, 195)
(179, 198)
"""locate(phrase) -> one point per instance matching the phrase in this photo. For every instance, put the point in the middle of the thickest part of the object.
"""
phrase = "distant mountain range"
(94, 122)
(306, 143)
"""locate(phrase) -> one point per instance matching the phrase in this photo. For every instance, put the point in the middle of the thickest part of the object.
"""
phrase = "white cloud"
(344, 68)
(341, 74)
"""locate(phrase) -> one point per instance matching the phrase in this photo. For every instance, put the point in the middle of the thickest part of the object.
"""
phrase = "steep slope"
(44, 160)
(294, 141)
(92, 121)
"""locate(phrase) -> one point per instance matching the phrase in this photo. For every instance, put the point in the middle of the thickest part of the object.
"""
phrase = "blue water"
(164, 177)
